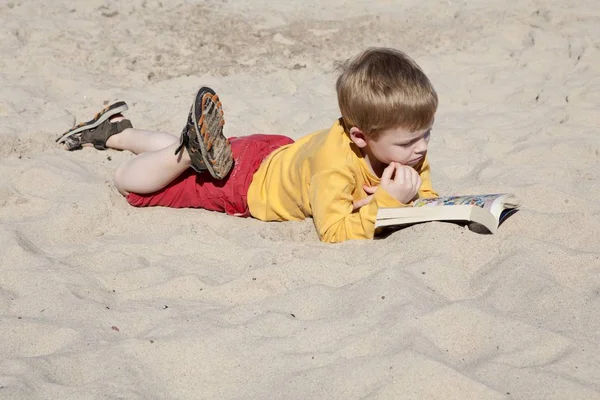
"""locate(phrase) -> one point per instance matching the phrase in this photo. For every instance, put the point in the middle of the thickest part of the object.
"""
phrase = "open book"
(484, 213)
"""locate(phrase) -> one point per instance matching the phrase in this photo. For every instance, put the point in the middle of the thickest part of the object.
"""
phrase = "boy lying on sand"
(373, 156)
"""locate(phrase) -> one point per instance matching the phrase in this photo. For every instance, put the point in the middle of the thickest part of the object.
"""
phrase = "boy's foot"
(97, 130)
(203, 136)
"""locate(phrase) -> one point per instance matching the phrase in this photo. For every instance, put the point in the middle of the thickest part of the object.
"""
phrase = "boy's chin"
(408, 163)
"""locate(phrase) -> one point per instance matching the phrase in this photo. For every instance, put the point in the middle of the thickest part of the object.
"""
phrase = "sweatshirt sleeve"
(332, 207)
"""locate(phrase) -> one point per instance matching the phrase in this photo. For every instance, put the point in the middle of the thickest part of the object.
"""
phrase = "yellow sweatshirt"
(320, 176)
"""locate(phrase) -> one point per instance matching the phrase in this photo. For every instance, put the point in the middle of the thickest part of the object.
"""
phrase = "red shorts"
(193, 190)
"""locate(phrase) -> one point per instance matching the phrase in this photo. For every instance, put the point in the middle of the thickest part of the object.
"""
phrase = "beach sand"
(100, 300)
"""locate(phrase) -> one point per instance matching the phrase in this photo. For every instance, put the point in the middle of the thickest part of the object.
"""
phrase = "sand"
(100, 300)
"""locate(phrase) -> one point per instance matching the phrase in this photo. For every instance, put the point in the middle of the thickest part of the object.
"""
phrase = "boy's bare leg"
(151, 171)
(137, 140)
(140, 141)
(154, 166)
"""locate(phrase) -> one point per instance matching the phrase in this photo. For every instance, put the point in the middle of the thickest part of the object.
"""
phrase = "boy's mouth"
(415, 161)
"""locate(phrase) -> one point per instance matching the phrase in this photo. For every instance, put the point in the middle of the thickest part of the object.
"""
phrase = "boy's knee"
(118, 180)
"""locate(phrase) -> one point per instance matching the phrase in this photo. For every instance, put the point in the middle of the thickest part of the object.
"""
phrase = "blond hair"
(384, 88)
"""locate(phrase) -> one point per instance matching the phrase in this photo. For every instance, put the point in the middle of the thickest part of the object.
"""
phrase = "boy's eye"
(425, 137)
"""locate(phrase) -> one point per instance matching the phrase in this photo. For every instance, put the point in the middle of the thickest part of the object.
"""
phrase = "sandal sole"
(100, 117)
(207, 135)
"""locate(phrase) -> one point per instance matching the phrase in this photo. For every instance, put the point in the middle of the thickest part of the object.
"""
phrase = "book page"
(485, 201)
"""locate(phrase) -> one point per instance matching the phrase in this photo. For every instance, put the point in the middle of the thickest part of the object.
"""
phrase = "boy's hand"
(370, 190)
(401, 182)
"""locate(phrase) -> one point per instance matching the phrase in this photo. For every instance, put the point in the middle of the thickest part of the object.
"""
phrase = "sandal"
(96, 131)
(203, 138)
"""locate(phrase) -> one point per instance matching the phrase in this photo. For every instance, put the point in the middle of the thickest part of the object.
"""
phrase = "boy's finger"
(402, 175)
(362, 202)
(419, 181)
(370, 189)
(414, 177)
(386, 176)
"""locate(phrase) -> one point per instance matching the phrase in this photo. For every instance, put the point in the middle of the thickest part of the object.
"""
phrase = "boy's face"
(400, 145)
(396, 145)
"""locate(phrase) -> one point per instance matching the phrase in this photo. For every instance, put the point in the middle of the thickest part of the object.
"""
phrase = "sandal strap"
(99, 141)
(100, 135)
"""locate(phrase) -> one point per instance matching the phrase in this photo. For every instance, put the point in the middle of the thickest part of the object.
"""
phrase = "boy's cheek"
(402, 158)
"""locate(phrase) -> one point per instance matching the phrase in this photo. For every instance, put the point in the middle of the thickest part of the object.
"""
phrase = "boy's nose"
(421, 146)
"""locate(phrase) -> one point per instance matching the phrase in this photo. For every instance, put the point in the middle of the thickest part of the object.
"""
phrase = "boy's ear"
(358, 137)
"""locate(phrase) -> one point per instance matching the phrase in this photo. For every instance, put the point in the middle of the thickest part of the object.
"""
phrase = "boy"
(373, 156)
